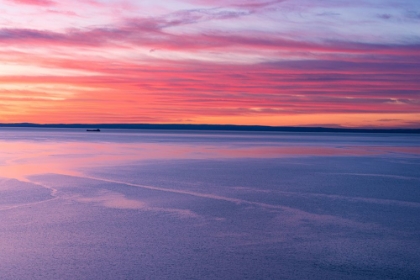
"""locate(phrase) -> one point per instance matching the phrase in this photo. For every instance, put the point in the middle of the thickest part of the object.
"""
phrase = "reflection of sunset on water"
(173, 204)
(23, 158)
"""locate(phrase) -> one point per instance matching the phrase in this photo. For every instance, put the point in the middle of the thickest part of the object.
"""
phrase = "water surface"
(127, 204)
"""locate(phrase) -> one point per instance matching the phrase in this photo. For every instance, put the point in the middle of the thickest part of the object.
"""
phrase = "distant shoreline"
(209, 127)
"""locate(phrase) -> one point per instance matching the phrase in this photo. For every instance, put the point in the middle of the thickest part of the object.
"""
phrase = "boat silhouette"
(93, 130)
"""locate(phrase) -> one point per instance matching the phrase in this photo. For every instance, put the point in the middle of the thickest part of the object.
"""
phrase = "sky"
(334, 63)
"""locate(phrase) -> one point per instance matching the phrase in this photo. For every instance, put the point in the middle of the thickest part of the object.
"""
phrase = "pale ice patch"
(112, 200)
(180, 213)
(116, 200)
(16, 193)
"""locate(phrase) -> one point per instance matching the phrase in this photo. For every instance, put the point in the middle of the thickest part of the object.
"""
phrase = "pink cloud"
(35, 2)
(250, 4)
(151, 33)
(112, 76)
(178, 90)
(60, 12)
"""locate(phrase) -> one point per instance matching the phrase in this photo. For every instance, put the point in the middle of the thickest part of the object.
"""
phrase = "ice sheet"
(166, 205)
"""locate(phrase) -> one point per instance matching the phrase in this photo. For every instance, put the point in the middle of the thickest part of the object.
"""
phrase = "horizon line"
(207, 127)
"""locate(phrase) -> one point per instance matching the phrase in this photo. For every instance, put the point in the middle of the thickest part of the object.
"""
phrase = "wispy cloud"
(34, 2)
(202, 60)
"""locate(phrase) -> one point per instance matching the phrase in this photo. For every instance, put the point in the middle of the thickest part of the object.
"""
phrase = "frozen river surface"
(215, 205)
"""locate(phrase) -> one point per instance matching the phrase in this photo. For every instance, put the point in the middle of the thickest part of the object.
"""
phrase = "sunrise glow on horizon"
(282, 62)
